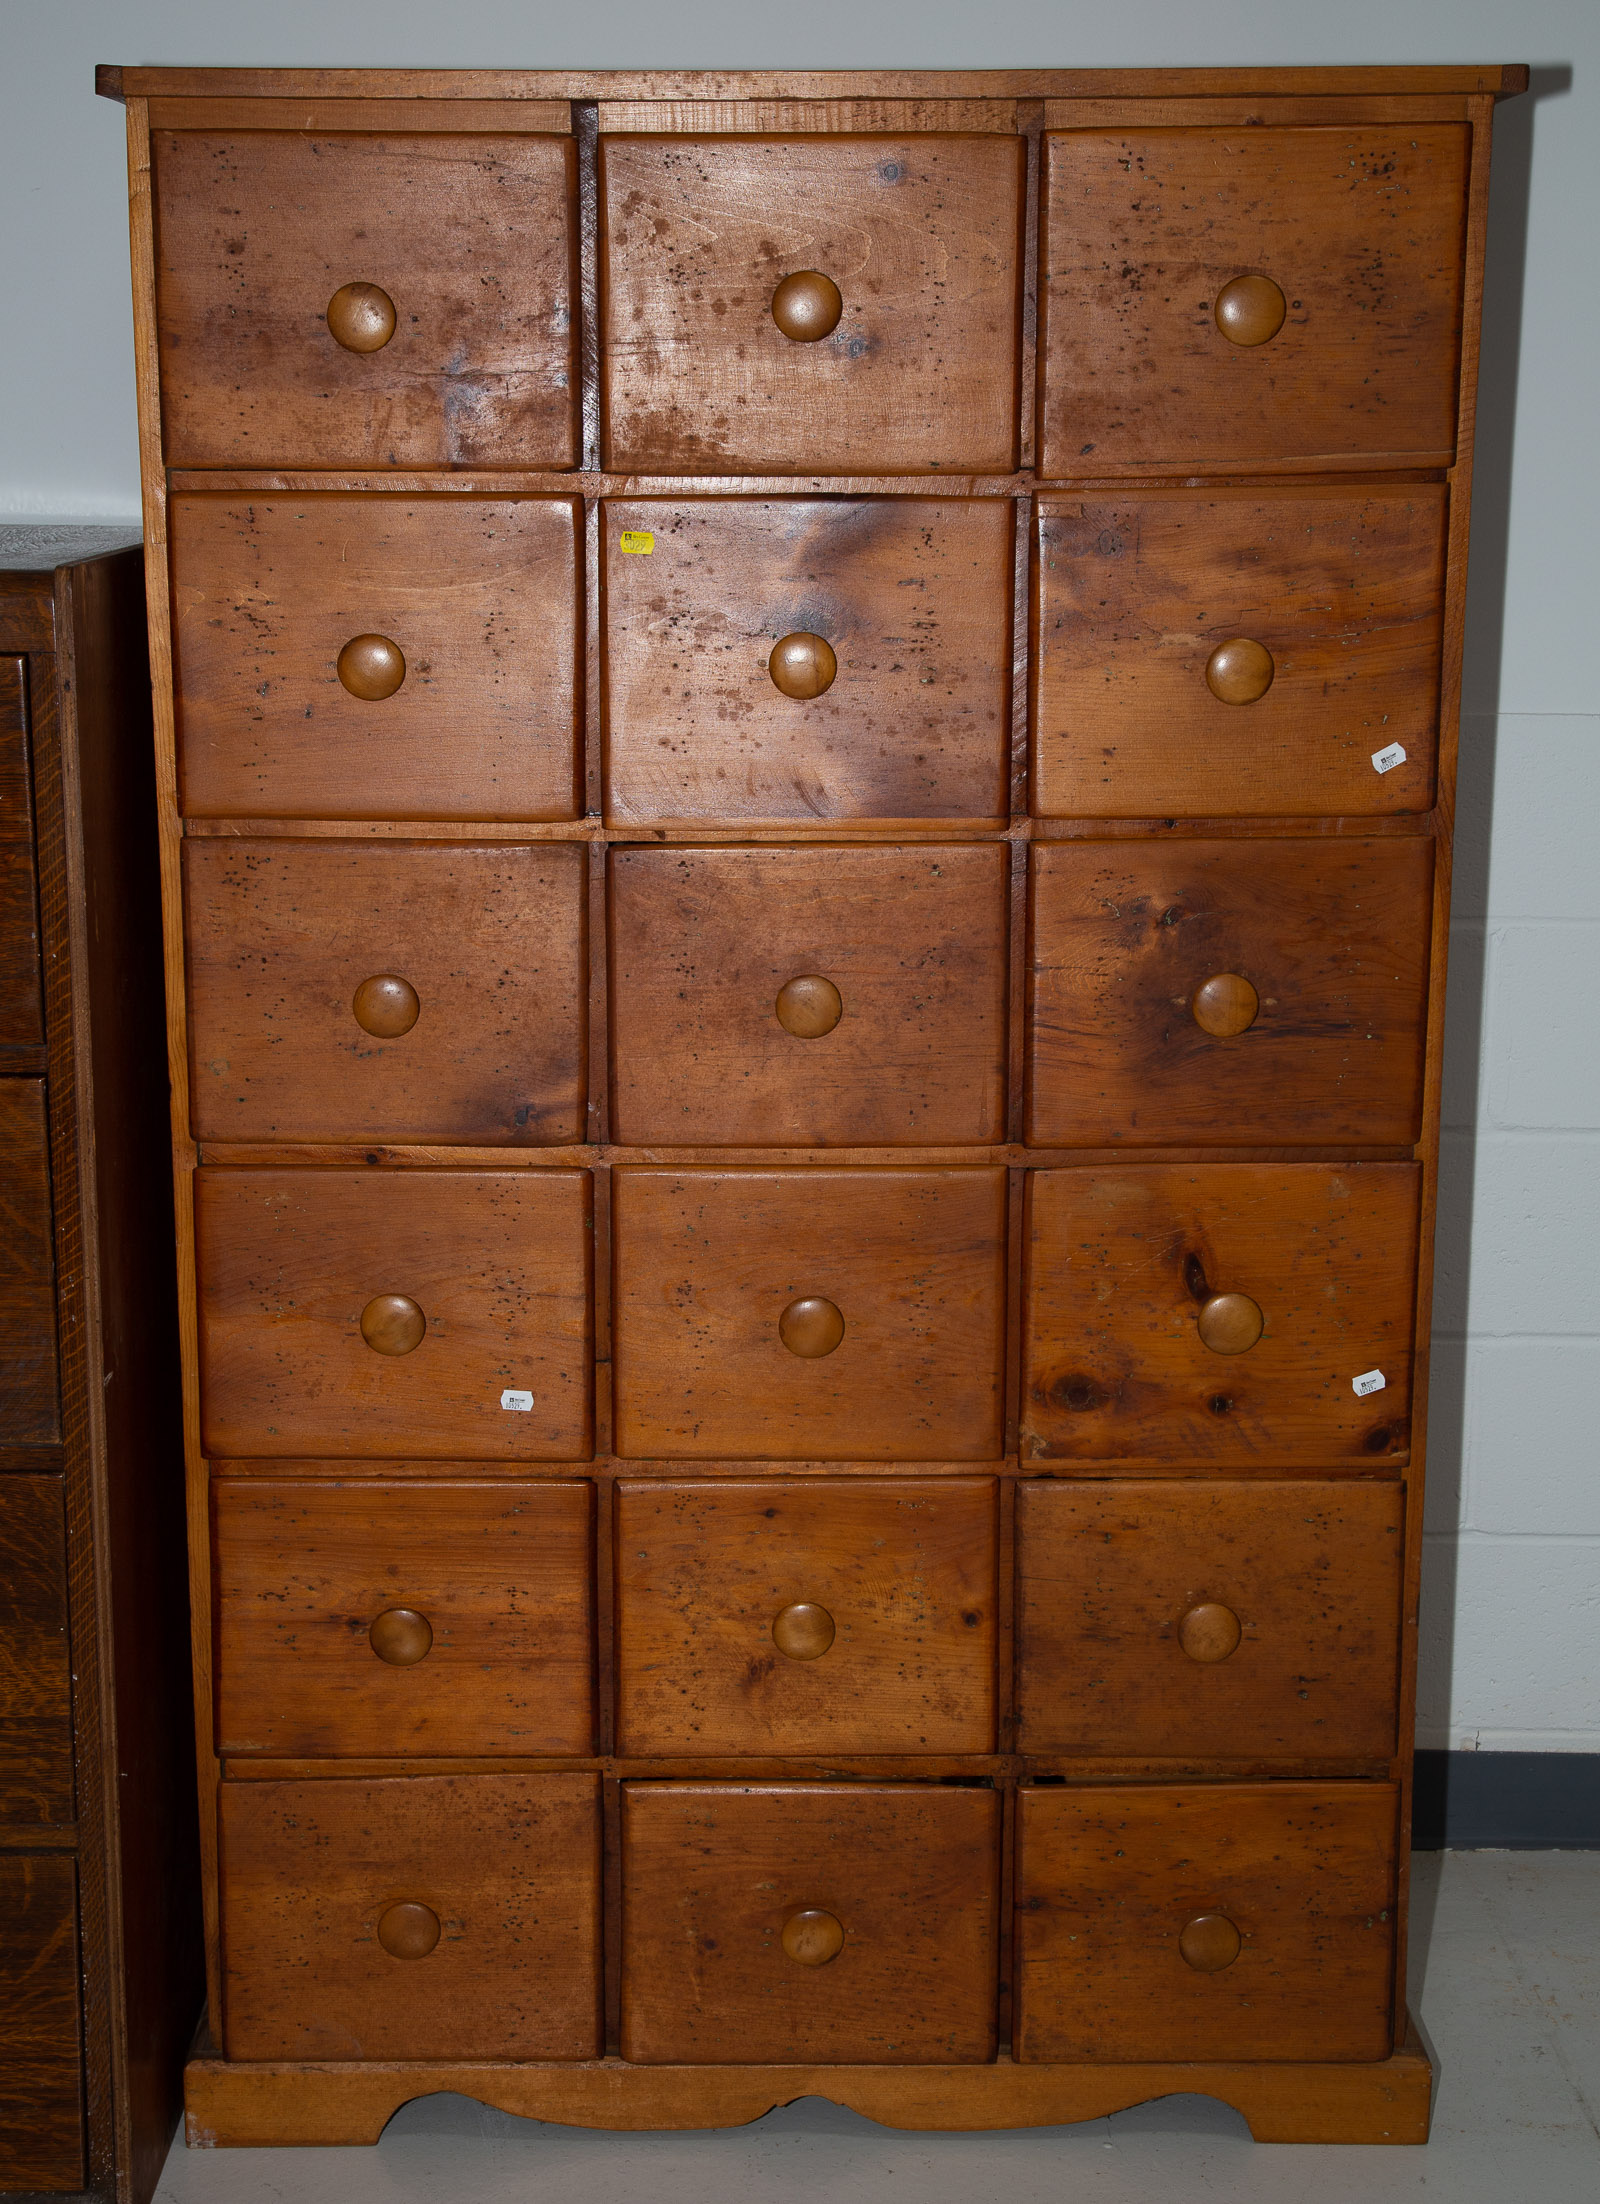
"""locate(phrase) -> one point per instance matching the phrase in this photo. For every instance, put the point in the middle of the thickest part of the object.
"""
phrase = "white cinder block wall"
(1511, 1640)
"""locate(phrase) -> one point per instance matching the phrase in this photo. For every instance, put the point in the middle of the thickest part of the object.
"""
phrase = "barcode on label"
(1385, 761)
(638, 541)
(1370, 1381)
(522, 1402)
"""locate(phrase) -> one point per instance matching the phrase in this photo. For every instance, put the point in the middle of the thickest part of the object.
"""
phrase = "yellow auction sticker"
(638, 540)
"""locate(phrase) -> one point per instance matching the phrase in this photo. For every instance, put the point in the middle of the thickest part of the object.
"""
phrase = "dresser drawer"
(812, 304)
(1215, 1921)
(36, 1770)
(430, 1313)
(29, 1402)
(1221, 1314)
(386, 1619)
(376, 657)
(414, 1917)
(820, 1616)
(809, 1315)
(1228, 652)
(365, 298)
(1258, 296)
(788, 1921)
(796, 997)
(41, 2058)
(21, 1006)
(386, 990)
(1228, 992)
(1190, 1621)
(775, 659)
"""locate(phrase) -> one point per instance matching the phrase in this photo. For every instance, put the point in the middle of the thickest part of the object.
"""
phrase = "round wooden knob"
(371, 667)
(408, 1930)
(1229, 1323)
(1209, 1943)
(1240, 671)
(804, 1631)
(393, 1324)
(807, 306)
(803, 666)
(386, 1006)
(809, 1007)
(401, 1637)
(811, 1328)
(361, 317)
(1225, 1005)
(811, 1937)
(1209, 1632)
(1250, 309)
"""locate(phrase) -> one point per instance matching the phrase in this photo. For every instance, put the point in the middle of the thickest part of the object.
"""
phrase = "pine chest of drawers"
(807, 730)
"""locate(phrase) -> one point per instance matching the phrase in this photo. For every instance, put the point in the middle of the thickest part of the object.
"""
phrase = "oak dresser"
(806, 730)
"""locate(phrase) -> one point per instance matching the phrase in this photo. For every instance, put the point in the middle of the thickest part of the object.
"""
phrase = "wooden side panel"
(35, 1664)
(1109, 1878)
(506, 1865)
(21, 1006)
(41, 2059)
(904, 1573)
(713, 1872)
(30, 1411)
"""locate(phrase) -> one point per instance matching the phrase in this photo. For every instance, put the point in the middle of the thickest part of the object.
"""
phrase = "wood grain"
(21, 1005)
(492, 940)
(1361, 226)
(904, 1569)
(1108, 1876)
(1107, 1572)
(30, 1411)
(36, 1758)
(922, 236)
(480, 595)
(41, 2066)
(712, 1871)
(912, 594)
(913, 940)
(706, 1261)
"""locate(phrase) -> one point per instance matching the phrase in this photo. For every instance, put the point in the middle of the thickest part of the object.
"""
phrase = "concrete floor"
(1506, 1976)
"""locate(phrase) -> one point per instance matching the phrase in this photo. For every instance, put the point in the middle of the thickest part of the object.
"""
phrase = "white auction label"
(522, 1402)
(1385, 761)
(1370, 1381)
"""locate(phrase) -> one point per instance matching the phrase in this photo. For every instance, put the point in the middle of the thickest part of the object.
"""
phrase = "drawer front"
(36, 1773)
(414, 1917)
(1228, 992)
(379, 657)
(1189, 1621)
(394, 1312)
(796, 997)
(21, 1006)
(903, 356)
(1229, 653)
(29, 1401)
(386, 990)
(267, 360)
(1221, 1313)
(809, 1315)
(387, 1619)
(818, 1616)
(774, 659)
(41, 2058)
(823, 1922)
(1224, 1921)
(1332, 256)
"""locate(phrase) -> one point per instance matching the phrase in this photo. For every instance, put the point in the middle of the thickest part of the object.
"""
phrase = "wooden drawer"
(894, 1966)
(454, 621)
(909, 355)
(1144, 1286)
(809, 1315)
(1228, 992)
(474, 1284)
(387, 1619)
(29, 1402)
(1188, 1621)
(413, 1917)
(1130, 1900)
(901, 606)
(1154, 239)
(825, 1615)
(21, 1006)
(469, 242)
(386, 990)
(41, 2057)
(36, 1768)
(728, 964)
(1225, 652)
